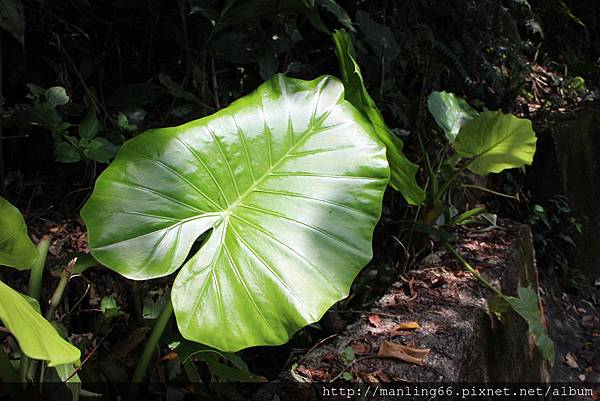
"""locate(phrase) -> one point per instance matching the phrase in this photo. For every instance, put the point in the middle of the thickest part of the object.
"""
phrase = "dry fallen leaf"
(390, 349)
(571, 361)
(127, 345)
(375, 320)
(171, 356)
(360, 348)
(369, 377)
(406, 326)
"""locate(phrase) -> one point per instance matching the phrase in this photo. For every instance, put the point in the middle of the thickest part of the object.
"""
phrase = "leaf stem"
(150, 348)
(9, 375)
(484, 189)
(57, 295)
(37, 270)
(446, 185)
(34, 290)
(472, 270)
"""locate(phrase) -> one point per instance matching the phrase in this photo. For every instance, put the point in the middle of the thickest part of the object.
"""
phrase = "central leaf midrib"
(496, 144)
(312, 127)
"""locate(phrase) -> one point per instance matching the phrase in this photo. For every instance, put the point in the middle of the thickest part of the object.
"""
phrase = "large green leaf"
(403, 171)
(496, 141)
(287, 182)
(36, 336)
(16, 249)
(450, 112)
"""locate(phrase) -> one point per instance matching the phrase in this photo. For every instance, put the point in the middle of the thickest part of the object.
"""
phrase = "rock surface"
(465, 342)
(578, 145)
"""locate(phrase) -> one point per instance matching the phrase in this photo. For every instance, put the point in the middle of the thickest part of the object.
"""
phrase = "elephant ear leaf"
(287, 183)
(16, 249)
(403, 171)
(36, 336)
(450, 112)
(495, 142)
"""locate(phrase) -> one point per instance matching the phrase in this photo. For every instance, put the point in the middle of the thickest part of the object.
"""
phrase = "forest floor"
(573, 316)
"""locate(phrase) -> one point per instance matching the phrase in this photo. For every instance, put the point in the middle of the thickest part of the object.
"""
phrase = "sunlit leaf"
(496, 141)
(36, 336)
(16, 249)
(67, 153)
(287, 184)
(403, 171)
(450, 112)
(56, 96)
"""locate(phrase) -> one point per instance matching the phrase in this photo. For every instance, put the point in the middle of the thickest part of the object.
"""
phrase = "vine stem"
(453, 177)
(34, 290)
(484, 189)
(150, 348)
(472, 270)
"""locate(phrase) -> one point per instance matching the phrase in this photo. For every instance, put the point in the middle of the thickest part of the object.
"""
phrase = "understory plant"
(283, 187)
(73, 143)
(483, 143)
(38, 338)
(267, 208)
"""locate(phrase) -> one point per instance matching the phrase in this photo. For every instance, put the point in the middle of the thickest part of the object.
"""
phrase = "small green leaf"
(348, 355)
(496, 141)
(499, 306)
(222, 368)
(16, 249)
(56, 96)
(124, 124)
(267, 64)
(109, 304)
(152, 308)
(36, 337)
(450, 112)
(466, 216)
(122, 120)
(62, 126)
(527, 305)
(403, 171)
(379, 37)
(93, 144)
(90, 126)
(67, 153)
(35, 91)
(83, 263)
(102, 150)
